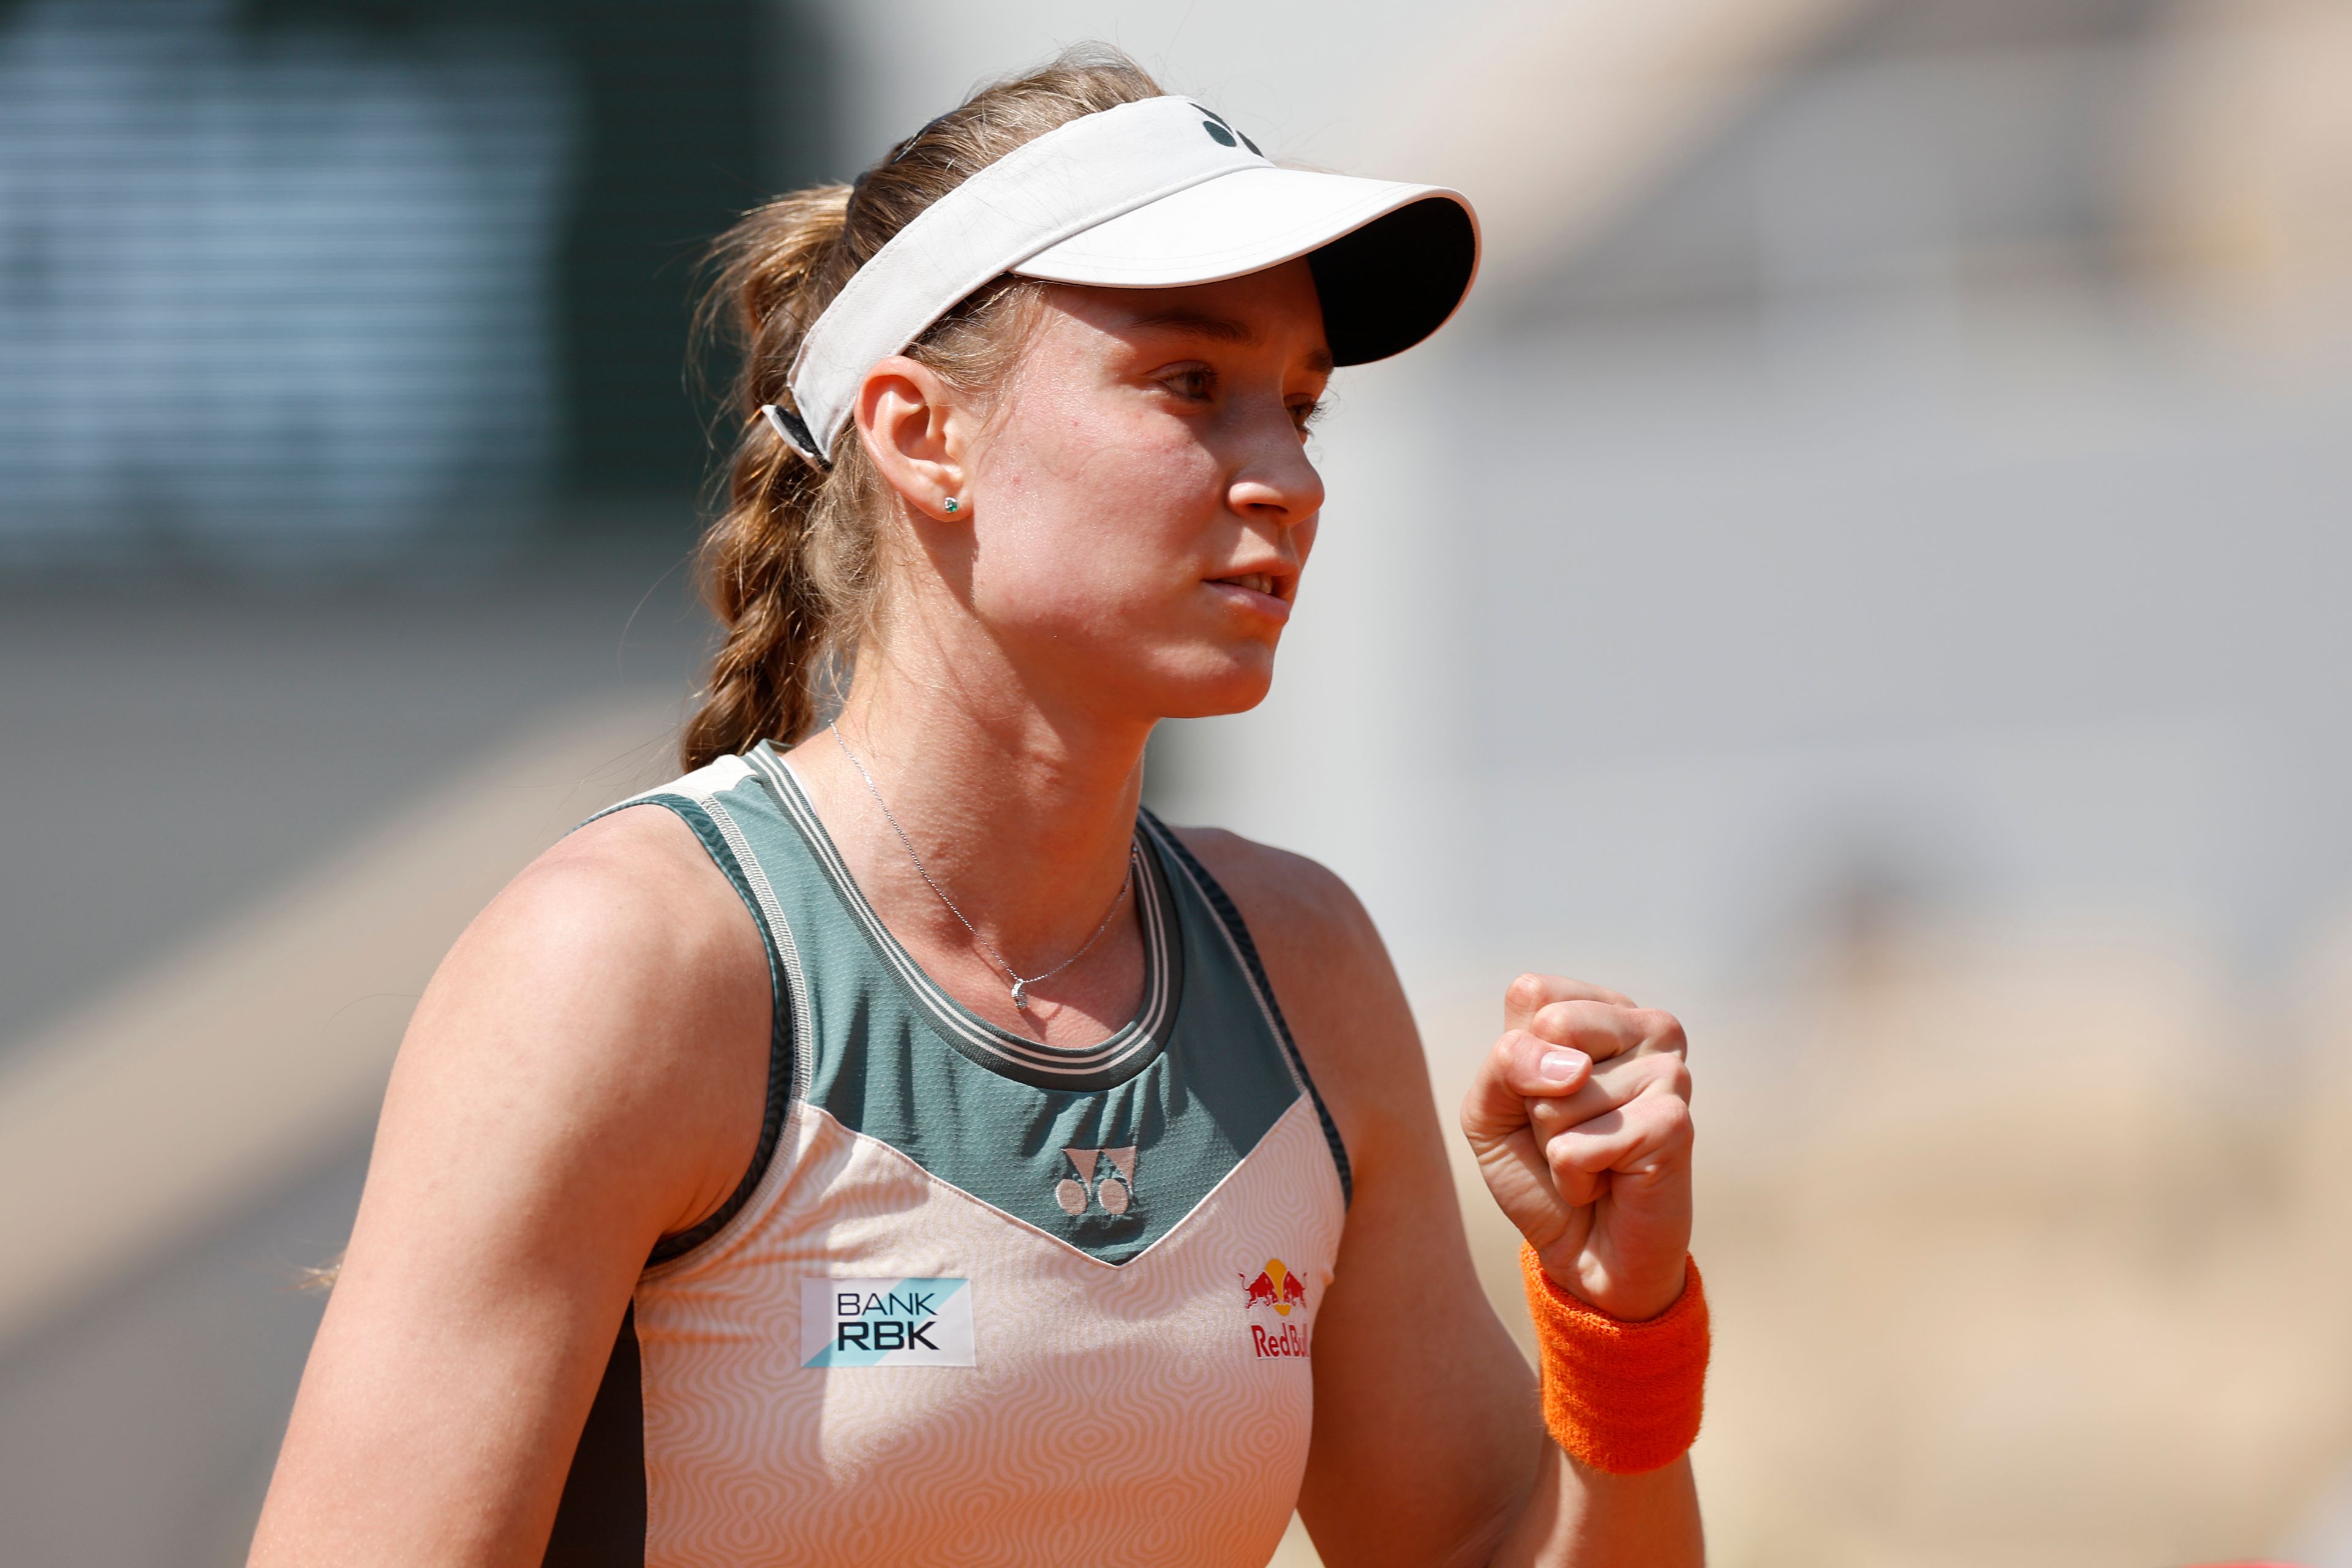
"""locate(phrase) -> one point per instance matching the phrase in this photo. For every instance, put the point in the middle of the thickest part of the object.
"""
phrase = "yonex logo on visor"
(1220, 130)
(1153, 195)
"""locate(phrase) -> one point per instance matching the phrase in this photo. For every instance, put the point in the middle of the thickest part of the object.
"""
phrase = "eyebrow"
(1220, 328)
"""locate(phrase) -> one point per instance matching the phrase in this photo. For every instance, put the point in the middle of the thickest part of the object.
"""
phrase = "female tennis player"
(887, 1143)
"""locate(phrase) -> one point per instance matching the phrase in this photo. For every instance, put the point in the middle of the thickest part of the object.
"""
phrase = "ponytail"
(760, 575)
(793, 568)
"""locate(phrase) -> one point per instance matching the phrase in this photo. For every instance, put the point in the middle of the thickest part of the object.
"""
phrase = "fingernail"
(1559, 1065)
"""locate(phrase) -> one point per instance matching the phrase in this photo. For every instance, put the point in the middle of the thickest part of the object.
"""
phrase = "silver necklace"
(1021, 983)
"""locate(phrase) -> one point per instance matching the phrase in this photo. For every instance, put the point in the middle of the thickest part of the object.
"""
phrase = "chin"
(1240, 684)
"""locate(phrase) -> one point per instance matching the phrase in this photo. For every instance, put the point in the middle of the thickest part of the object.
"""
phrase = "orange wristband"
(1621, 1397)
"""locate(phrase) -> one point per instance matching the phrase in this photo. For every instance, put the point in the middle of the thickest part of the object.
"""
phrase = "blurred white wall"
(1850, 490)
(1546, 111)
(1317, 81)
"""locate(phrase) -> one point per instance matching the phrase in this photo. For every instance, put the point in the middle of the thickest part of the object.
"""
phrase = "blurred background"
(1866, 571)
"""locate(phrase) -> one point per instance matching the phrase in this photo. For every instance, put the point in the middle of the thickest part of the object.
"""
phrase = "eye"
(1304, 412)
(1195, 383)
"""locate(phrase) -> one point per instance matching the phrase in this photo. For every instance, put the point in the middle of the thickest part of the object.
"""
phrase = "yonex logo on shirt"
(1112, 1193)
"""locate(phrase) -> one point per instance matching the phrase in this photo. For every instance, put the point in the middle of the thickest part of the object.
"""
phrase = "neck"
(1022, 814)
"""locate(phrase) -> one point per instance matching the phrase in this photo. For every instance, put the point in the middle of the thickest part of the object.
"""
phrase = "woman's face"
(1140, 498)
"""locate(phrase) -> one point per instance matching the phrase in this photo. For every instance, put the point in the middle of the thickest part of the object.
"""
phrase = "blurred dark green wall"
(694, 110)
(687, 128)
(283, 279)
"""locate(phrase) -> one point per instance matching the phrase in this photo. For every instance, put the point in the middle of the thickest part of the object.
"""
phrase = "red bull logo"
(1277, 1287)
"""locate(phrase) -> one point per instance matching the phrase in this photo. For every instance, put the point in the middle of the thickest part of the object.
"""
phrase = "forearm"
(1578, 1516)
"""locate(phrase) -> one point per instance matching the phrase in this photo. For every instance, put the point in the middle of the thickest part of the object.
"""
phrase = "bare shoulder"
(612, 1001)
(628, 933)
(634, 877)
(1305, 899)
(1331, 973)
(627, 912)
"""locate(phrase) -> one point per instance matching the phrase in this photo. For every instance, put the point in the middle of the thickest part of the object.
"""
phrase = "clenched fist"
(1580, 1120)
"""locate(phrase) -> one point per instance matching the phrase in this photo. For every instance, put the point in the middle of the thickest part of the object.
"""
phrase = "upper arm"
(1427, 1430)
(585, 1073)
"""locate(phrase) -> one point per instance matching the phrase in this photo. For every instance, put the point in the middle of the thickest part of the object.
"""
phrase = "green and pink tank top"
(978, 1299)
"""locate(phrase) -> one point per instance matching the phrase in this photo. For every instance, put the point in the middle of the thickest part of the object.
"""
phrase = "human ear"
(917, 432)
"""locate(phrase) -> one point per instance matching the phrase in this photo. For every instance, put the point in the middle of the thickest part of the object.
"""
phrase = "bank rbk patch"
(885, 1322)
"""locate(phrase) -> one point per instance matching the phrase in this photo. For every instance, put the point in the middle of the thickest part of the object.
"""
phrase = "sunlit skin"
(1141, 503)
(584, 1075)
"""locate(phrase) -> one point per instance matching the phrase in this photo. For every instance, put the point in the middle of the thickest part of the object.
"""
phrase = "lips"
(1263, 595)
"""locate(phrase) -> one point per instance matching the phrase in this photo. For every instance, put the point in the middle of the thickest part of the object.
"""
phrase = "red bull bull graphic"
(1278, 1287)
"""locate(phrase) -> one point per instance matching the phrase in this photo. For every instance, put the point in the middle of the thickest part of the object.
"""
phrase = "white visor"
(1152, 194)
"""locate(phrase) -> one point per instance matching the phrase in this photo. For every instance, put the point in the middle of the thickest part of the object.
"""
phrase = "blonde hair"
(792, 566)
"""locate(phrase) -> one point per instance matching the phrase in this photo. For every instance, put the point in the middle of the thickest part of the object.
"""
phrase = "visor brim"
(1391, 261)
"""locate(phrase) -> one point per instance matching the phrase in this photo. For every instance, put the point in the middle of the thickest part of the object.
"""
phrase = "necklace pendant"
(1020, 994)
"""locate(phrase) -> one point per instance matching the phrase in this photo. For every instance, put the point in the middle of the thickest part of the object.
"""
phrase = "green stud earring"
(950, 504)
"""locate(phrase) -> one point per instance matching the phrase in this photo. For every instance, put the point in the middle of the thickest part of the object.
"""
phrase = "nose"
(1277, 484)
